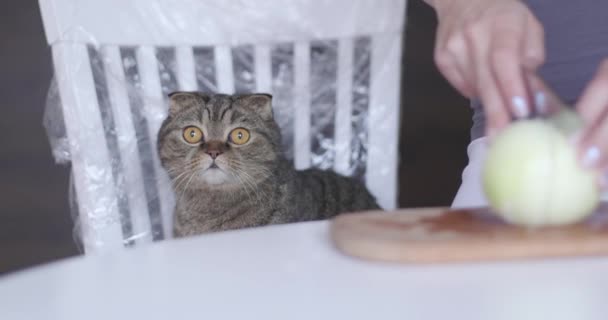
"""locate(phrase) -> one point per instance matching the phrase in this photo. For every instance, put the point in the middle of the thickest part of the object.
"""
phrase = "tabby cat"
(223, 155)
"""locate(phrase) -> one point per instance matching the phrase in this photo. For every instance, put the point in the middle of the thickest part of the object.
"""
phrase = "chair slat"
(263, 68)
(127, 144)
(224, 72)
(186, 76)
(302, 139)
(343, 126)
(155, 111)
(382, 167)
(91, 163)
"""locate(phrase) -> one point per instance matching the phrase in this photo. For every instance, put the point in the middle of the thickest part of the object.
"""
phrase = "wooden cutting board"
(440, 235)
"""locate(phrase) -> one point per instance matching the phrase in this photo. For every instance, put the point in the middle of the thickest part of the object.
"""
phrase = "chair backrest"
(332, 66)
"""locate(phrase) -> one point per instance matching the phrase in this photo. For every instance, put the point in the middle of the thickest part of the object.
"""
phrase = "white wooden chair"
(332, 66)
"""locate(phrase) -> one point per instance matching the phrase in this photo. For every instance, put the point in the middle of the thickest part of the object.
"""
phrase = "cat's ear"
(179, 100)
(260, 103)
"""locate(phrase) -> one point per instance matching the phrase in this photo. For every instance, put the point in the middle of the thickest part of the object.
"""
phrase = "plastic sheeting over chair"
(332, 66)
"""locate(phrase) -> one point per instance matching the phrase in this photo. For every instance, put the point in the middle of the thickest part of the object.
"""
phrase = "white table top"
(293, 272)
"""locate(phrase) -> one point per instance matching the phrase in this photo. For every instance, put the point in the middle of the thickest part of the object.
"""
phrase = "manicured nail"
(540, 101)
(520, 107)
(591, 157)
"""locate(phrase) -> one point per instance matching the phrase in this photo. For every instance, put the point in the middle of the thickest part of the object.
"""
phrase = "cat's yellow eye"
(193, 135)
(239, 136)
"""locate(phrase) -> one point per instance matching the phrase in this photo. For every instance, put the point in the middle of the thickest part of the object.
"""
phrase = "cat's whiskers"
(185, 170)
(260, 173)
(249, 185)
(246, 186)
(177, 190)
(188, 165)
(177, 181)
(244, 179)
(187, 175)
(260, 194)
(189, 180)
(241, 166)
(249, 182)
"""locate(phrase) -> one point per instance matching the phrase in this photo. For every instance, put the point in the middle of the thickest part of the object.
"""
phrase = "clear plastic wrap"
(334, 81)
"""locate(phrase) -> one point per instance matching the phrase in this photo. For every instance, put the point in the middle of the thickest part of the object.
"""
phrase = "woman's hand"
(483, 47)
(593, 108)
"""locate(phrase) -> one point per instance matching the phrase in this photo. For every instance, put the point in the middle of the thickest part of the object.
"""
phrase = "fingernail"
(591, 157)
(520, 107)
(540, 101)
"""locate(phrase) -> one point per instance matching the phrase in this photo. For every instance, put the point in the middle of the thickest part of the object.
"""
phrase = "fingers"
(463, 59)
(483, 49)
(478, 43)
(454, 76)
(497, 115)
(593, 108)
(451, 58)
(595, 96)
(516, 49)
(506, 62)
(534, 44)
(594, 151)
(546, 100)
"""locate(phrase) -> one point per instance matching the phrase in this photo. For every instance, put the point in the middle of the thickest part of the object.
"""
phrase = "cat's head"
(218, 141)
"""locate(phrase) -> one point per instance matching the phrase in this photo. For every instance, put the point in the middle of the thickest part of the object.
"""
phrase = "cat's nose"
(214, 148)
(214, 153)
